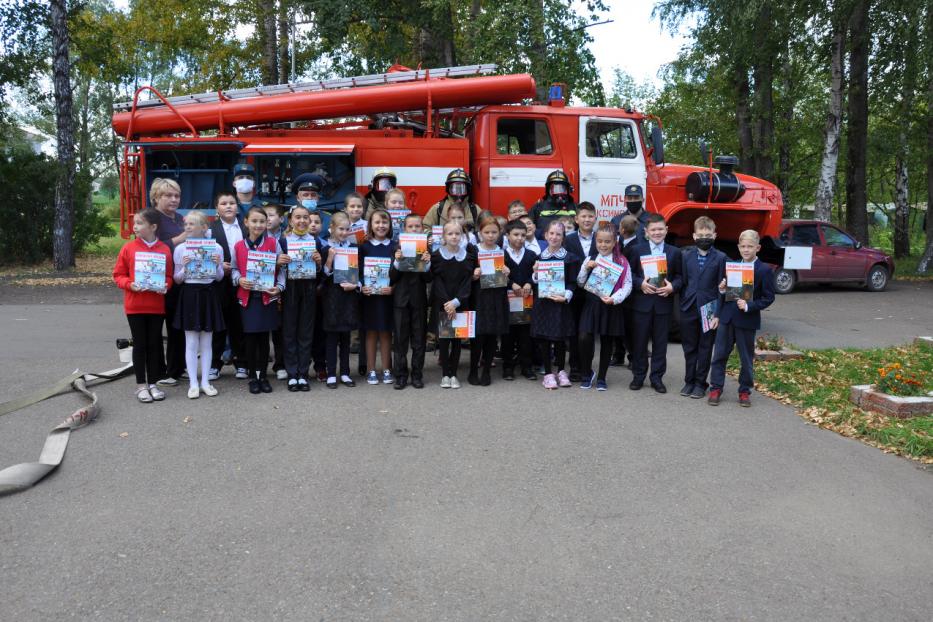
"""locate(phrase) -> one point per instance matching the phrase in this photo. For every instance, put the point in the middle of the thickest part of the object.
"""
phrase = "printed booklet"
(654, 268)
(149, 271)
(520, 308)
(358, 231)
(376, 273)
(740, 280)
(302, 265)
(413, 245)
(260, 269)
(437, 237)
(550, 278)
(603, 277)
(346, 265)
(398, 220)
(204, 264)
(707, 312)
(463, 326)
(492, 269)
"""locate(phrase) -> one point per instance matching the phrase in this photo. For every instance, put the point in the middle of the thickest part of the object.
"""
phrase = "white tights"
(198, 342)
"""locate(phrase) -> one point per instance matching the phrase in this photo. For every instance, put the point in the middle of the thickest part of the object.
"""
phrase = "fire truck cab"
(422, 124)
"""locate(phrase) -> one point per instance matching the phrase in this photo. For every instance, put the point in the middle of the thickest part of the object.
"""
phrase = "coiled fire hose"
(19, 477)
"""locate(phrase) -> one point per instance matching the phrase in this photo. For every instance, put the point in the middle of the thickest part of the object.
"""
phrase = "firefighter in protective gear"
(556, 202)
(459, 187)
(384, 179)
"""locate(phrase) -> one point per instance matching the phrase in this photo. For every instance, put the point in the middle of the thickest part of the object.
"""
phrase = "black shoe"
(659, 387)
(687, 391)
(616, 362)
(292, 385)
(331, 384)
(417, 382)
(264, 385)
(529, 375)
(485, 379)
(508, 374)
(636, 385)
(698, 392)
(473, 379)
(348, 383)
(401, 382)
(362, 371)
(254, 387)
(575, 375)
(303, 385)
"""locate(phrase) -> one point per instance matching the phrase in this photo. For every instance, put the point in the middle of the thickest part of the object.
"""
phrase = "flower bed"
(774, 348)
(865, 396)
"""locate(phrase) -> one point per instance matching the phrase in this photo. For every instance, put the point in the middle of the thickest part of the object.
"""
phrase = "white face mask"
(243, 186)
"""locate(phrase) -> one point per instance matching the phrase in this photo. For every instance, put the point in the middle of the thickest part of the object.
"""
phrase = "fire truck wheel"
(784, 281)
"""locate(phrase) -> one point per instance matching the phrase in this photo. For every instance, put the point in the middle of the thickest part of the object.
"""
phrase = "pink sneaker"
(550, 382)
(563, 379)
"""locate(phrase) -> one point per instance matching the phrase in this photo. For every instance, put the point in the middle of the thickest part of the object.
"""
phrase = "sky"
(634, 42)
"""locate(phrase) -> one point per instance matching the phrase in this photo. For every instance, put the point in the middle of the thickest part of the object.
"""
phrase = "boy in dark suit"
(520, 261)
(580, 243)
(738, 321)
(628, 227)
(653, 305)
(227, 230)
(410, 305)
(702, 267)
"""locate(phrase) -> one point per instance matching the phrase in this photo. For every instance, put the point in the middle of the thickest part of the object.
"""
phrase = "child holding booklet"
(198, 264)
(143, 271)
(341, 299)
(376, 256)
(254, 257)
(520, 262)
(740, 318)
(353, 206)
(227, 230)
(601, 313)
(301, 250)
(699, 299)
(452, 268)
(409, 299)
(275, 223)
(490, 300)
(552, 321)
(318, 340)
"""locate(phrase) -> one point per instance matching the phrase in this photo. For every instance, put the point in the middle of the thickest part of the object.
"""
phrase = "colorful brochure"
(437, 237)
(413, 246)
(260, 269)
(398, 220)
(740, 280)
(376, 273)
(707, 313)
(204, 264)
(463, 326)
(492, 269)
(654, 268)
(346, 265)
(603, 278)
(551, 279)
(520, 308)
(149, 271)
(302, 265)
(358, 231)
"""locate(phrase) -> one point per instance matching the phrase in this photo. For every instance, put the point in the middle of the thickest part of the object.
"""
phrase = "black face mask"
(633, 207)
(704, 244)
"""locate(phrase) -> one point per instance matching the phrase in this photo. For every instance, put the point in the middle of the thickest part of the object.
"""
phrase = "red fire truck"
(422, 124)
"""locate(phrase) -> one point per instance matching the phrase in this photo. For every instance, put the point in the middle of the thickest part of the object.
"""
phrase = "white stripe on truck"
(517, 177)
(406, 175)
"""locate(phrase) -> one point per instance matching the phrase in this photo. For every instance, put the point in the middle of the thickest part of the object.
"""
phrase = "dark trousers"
(448, 351)
(654, 326)
(298, 306)
(559, 349)
(482, 350)
(727, 336)
(698, 349)
(587, 351)
(230, 308)
(256, 346)
(409, 333)
(319, 339)
(339, 340)
(623, 345)
(278, 350)
(175, 339)
(517, 344)
(148, 359)
(576, 308)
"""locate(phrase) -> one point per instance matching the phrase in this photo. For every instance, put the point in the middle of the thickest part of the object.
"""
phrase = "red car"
(837, 258)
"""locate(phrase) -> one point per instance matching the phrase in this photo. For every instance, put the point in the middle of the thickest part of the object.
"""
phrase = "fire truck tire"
(784, 281)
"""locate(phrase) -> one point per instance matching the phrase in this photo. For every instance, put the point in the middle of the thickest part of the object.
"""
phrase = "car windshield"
(835, 237)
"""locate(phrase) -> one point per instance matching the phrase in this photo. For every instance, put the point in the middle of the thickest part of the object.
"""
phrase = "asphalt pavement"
(498, 503)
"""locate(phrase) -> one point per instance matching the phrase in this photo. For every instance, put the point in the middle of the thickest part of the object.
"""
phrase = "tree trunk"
(284, 39)
(928, 215)
(537, 49)
(908, 53)
(743, 122)
(827, 182)
(857, 122)
(62, 249)
(783, 173)
(764, 92)
(267, 26)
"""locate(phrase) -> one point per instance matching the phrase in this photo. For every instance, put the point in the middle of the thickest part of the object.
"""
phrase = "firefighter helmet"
(458, 183)
(557, 183)
(384, 179)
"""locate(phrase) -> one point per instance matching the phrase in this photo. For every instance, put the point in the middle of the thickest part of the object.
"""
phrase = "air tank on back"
(726, 187)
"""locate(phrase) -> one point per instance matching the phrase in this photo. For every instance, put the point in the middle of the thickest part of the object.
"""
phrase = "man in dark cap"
(634, 200)
(307, 190)
(244, 182)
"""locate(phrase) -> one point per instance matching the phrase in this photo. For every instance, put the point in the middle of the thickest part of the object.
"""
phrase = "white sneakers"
(282, 374)
(209, 391)
(445, 382)
(241, 373)
(194, 393)
(450, 382)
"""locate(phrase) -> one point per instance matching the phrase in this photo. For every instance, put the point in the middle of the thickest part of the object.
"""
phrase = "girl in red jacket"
(144, 271)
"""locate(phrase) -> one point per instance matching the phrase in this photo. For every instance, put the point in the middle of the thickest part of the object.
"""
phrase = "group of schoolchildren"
(310, 320)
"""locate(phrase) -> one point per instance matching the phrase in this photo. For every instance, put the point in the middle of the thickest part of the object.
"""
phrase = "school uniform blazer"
(572, 243)
(522, 272)
(762, 297)
(700, 286)
(654, 303)
(408, 288)
(218, 233)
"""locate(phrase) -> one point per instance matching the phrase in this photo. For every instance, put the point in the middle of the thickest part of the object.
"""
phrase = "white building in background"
(39, 140)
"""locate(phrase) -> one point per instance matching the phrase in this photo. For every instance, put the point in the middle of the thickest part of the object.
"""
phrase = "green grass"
(108, 246)
(818, 386)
